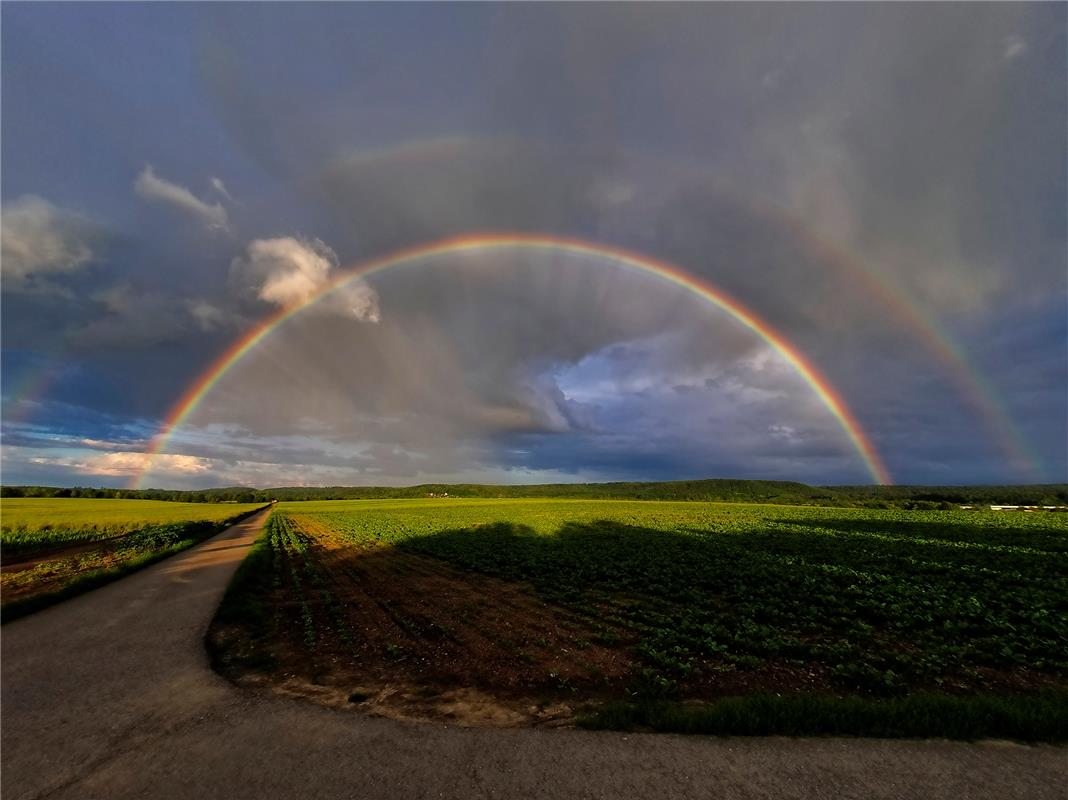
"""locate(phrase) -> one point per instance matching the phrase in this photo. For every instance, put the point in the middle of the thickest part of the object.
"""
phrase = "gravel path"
(110, 695)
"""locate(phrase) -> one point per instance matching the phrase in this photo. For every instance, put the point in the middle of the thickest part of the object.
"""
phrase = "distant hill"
(711, 489)
(1023, 495)
(714, 489)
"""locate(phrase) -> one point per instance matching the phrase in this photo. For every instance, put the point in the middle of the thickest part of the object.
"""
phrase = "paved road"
(110, 695)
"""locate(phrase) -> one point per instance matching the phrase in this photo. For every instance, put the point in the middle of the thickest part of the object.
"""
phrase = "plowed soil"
(406, 636)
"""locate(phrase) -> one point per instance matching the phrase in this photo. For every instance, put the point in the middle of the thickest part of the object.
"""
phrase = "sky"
(881, 186)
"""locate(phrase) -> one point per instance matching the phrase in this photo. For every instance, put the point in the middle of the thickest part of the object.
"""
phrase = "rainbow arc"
(670, 273)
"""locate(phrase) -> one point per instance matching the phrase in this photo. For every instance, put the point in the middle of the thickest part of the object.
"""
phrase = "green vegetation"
(233, 494)
(865, 621)
(1042, 717)
(717, 489)
(1047, 494)
(34, 524)
(712, 490)
(57, 548)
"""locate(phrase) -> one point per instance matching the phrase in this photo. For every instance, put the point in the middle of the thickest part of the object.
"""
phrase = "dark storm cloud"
(795, 157)
(384, 204)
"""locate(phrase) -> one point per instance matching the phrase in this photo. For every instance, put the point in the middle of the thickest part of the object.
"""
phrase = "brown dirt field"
(409, 637)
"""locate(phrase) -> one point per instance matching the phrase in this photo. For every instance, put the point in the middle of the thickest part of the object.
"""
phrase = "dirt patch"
(416, 702)
(405, 636)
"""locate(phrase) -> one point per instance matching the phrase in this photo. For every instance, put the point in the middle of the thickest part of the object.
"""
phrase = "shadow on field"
(872, 613)
(501, 624)
(789, 560)
(577, 556)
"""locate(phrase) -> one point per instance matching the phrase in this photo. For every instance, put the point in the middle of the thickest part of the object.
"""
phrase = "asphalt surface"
(110, 695)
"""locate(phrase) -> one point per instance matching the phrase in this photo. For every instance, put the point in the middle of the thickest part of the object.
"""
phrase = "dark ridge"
(709, 490)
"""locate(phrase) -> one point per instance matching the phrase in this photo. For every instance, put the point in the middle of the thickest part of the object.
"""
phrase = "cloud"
(220, 187)
(132, 319)
(459, 371)
(916, 156)
(288, 271)
(207, 316)
(151, 186)
(128, 464)
(42, 241)
(1015, 46)
(771, 79)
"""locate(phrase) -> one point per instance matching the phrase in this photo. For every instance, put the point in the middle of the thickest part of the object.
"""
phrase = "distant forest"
(785, 492)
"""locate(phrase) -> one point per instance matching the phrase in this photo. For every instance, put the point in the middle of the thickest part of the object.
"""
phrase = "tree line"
(723, 490)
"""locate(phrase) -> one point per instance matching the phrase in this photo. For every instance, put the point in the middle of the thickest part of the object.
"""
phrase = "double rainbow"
(973, 387)
(199, 389)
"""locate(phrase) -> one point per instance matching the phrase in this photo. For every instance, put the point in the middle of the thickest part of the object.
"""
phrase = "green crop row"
(879, 601)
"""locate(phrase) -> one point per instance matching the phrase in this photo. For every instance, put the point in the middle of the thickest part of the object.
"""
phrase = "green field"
(52, 548)
(709, 490)
(653, 613)
(32, 523)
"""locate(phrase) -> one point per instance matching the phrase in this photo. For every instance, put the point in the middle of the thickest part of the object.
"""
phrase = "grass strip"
(1038, 717)
(243, 602)
(84, 582)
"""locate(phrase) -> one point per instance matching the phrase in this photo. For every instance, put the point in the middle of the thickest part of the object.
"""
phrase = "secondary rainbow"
(829, 396)
(971, 383)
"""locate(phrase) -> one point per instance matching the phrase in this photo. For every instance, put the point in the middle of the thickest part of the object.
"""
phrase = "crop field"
(660, 614)
(51, 548)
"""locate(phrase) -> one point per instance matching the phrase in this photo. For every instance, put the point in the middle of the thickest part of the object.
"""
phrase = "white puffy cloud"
(42, 241)
(127, 463)
(153, 187)
(288, 271)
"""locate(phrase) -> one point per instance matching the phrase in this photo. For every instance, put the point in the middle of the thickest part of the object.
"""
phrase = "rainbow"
(971, 384)
(199, 389)
(29, 393)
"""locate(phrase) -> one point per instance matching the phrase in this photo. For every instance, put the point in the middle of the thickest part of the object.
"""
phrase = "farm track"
(110, 695)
